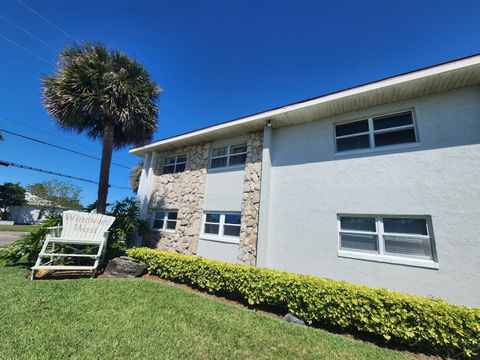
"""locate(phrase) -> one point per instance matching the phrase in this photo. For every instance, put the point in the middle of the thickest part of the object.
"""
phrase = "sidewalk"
(7, 237)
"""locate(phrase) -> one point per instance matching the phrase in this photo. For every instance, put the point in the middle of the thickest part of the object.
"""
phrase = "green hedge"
(407, 320)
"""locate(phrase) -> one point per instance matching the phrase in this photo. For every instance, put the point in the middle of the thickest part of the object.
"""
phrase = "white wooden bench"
(82, 236)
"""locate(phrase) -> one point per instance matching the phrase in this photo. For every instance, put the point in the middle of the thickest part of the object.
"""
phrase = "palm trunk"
(107, 149)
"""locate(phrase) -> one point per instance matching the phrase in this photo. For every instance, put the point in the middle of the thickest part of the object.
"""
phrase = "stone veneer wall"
(247, 249)
(183, 192)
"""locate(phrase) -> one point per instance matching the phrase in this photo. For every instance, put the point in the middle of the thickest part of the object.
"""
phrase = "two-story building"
(378, 184)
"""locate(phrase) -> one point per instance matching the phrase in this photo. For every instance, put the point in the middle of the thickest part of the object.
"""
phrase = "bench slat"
(69, 255)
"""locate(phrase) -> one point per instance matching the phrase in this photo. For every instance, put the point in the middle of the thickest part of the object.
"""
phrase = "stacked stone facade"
(183, 192)
(247, 249)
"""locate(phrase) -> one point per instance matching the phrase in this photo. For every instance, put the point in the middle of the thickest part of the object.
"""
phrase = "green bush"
(28, 246)
(400, 319)
(126, 225)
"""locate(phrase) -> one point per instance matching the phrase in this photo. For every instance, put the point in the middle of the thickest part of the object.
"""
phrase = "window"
(383, 238)
(222, 226)
(376, 132)
(165, 220)
(174, 164)
(231, 155)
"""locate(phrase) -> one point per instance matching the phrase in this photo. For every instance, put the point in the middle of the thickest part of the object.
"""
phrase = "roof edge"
(428, 71)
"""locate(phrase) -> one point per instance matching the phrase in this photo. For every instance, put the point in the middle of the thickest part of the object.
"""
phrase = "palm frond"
(93, 86)
(135, 174)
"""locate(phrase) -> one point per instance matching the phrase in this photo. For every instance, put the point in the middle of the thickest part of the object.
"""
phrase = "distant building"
(33, 211)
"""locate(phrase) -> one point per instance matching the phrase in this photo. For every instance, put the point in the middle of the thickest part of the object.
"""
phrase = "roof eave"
(454, 74)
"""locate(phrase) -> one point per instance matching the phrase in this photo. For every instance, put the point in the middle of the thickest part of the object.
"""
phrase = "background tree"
(11, 194)
(106, 95)
(135, 174)
(58, 195)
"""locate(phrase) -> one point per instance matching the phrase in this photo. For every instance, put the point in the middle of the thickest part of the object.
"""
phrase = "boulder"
(125, 266)
(290, 318)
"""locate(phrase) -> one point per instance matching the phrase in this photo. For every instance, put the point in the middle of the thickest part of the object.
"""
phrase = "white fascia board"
(394, 80)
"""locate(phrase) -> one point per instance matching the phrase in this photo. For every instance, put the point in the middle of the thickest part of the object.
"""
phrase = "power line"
(8, 163)
(45, 19)
(25, 49)
(17, 96)
(55, 135)
(33, 36)
(45, 132)
(59, 147)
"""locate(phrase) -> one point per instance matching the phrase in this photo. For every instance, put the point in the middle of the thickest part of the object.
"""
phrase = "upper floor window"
(376, 132)
(222, 226)
(165, 220)
(386, 237)
(230, 155)
(174, 164)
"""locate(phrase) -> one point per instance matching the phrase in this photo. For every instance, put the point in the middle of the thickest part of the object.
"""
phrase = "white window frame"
(381, 256)
(228, 155)
(165, 219)
(175, 163)
(221, 237)
(372, 132)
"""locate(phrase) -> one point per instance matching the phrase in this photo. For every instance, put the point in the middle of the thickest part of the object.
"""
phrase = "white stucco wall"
(310, 185)
(224, 190)
(216, 250)
(223, 193)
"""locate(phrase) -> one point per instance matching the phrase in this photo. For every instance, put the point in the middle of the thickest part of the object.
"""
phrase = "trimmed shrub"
(400, 319)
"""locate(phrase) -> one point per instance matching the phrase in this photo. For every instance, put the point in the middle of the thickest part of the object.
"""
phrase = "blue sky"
(215, 60)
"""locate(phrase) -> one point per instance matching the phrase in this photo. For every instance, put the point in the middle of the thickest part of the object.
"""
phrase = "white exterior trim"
(382, 256)
(429, 264)
(391, 81)
(165, 219)
(372, 132)
(220, 237)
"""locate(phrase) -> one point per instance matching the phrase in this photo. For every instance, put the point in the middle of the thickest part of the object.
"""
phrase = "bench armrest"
(55, 231)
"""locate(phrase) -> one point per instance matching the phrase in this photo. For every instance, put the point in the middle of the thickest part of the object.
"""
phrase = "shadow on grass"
(49, 275)
(421, 352)
(24, 265)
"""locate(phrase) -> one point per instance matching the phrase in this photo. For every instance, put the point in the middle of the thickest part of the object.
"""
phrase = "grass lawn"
(141, 319)
(26, 228)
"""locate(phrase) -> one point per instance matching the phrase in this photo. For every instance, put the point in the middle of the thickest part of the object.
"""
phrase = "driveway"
(7, 237)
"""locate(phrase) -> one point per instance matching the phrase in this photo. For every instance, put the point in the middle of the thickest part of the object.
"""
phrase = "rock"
(125, 266)
(290, 318)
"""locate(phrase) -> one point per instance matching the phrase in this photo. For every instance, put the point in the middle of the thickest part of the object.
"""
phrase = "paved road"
(7, 237)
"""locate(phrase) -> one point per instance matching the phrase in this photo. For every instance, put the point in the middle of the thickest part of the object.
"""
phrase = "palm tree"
(135, 174)
(106, 95)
